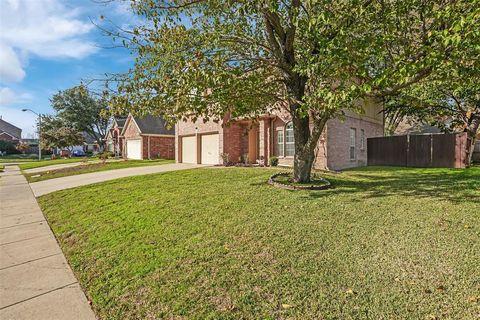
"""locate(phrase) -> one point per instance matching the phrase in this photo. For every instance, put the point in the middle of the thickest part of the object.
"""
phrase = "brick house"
(9, 132)
(147, 138)
(114, 139)
(342, 145)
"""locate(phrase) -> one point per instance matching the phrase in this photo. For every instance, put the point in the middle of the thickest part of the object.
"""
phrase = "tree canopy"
(55, 133)
(80, 110)
(204, 58)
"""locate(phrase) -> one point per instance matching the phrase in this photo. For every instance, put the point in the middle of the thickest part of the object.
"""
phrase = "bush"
(8, 147)
(105, 155)
(273, 161)
(225, 158)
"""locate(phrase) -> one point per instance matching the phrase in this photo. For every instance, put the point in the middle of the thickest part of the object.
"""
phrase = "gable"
(131, 129)
(7, 136)
(9, 128)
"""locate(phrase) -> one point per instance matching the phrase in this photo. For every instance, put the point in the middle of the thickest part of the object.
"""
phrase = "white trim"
(352, 144)
(158, 135)
(127, 122)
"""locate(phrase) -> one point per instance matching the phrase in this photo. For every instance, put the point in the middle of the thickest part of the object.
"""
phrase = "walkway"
(47, 186)
(36, 281)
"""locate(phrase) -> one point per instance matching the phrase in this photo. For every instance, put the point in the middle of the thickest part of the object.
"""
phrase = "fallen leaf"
(286, 306)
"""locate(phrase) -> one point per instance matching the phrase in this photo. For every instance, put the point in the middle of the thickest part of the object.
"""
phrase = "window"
(289, 140)
(362, 139)
(353, 136)
(280, 142)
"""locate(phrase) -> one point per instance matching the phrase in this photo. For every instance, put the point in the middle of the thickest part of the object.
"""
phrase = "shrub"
(8, 147)
(273, 161)
(225, 158)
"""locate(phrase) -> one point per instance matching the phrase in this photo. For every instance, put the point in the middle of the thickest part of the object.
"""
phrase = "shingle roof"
(120, 121)
(89, 139)
(10, 129)
(153, 125)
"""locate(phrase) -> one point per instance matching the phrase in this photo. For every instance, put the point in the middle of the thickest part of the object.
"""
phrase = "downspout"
(325, 147)
(270, 139)
(149, 148)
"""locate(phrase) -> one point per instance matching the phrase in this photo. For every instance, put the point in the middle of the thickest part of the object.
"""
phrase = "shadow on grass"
(455, 185)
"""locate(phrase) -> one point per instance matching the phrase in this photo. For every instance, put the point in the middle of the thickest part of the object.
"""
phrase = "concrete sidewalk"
(47, 186)
(36, 281)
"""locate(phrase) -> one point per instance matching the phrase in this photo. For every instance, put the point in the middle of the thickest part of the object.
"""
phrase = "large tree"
(55, 133)
(82, 111)
(204, 58)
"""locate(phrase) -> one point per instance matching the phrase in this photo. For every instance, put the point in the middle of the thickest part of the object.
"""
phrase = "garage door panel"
(189, 149)
(210, 149)
(134, 149)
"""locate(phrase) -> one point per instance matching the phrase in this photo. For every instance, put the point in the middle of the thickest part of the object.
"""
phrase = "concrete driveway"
(44, 187)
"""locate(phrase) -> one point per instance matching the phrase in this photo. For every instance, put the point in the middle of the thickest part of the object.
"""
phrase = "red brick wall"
(233, 140)
(338, 141)
(131, 131)
(160, 147)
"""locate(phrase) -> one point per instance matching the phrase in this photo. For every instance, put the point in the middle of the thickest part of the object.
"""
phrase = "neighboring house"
(33, 144)
(90, 145)
(148, 138)
(114, 139)
(342, 145)
(412, 126)
(9, 132)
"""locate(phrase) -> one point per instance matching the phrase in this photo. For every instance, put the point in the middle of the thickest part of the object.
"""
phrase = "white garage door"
(189, 149)
(134, 149)
(210, 152)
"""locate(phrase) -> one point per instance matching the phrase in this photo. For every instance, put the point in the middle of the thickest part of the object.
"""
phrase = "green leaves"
(206, 58)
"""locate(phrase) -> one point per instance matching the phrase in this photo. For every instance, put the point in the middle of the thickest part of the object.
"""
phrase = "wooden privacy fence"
(426, 150)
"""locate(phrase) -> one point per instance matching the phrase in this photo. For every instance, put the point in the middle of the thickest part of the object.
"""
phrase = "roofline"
(11, 124)
(10, 135)
(130, 116)
(158, 135)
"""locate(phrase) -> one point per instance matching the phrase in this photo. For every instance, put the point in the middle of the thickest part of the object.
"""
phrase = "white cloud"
(11, 69)
(45, 28)
(8, 97)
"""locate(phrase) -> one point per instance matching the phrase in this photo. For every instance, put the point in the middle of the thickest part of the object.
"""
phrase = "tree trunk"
(305, 144)
(303, 158)
(472, 130)
(305, 138)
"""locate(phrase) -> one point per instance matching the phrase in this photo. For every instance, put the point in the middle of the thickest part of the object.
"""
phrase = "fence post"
(431, 150)
(408, 150)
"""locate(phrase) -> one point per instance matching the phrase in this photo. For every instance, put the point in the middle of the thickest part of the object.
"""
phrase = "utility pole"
(39, 115)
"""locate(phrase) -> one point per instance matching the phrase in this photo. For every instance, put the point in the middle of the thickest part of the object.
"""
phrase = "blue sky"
(51, 45)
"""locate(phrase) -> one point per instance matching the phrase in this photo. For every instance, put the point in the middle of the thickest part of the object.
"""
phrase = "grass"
(222, 244)
(288, 180)
(8, 160)
(44, 163)
(21, 157)
(92, 167)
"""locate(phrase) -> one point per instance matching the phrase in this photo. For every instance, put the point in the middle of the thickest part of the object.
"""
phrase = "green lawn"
(44, 163)
(8, 160)
(222, 244)
(92, 167)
